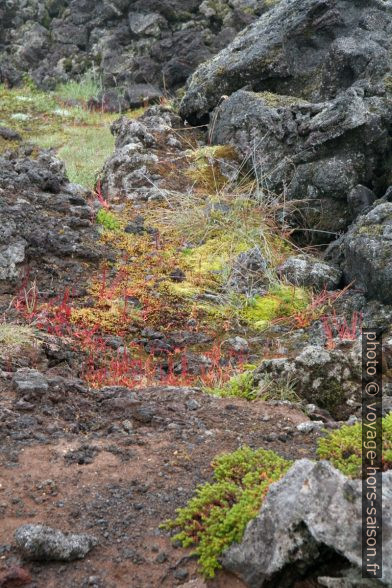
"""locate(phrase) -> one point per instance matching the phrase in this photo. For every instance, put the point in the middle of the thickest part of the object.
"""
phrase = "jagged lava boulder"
(305, 93)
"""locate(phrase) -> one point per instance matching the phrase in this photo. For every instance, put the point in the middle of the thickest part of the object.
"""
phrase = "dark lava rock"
(305, 93)
(9, 134)
(137, 48)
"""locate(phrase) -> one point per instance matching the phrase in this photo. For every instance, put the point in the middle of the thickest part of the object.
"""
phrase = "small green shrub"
(239, 386)
(107, 220)
(343, 448)
(219, 512)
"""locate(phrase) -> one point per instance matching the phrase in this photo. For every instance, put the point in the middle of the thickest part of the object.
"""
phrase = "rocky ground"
(176, 292)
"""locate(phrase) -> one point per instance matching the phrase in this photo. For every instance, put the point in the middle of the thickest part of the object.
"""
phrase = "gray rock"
(328, 378)
(236, 344)
(146, 23)
(304, 270)
(309, 150)
(312, 511)
(315, 123)
(30, 382)
(307, 48)
(248, 273)
(10, 258)
(309, 426)
(41, 543)
(367, 251)
(359, 200)
(159, 42)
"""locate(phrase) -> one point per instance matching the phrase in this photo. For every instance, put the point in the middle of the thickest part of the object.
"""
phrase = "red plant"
(98, 192)
(335, 326)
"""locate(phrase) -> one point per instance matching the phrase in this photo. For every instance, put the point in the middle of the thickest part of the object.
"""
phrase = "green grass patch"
(89, 86)
(219, 512)
(13, 335)
(81, 138)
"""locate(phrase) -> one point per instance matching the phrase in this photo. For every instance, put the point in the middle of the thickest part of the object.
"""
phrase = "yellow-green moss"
(205, 169)
(281, 301)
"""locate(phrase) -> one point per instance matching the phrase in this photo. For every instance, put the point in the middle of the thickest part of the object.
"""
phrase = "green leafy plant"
(219, 512)
(343, 448)
(107, 220)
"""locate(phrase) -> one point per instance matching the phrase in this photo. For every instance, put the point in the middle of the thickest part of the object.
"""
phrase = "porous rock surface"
(42, 543)
(46, 222)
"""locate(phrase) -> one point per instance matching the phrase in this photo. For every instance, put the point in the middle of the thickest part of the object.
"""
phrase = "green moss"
(108, 220)
(279, 100)
(343, 448)
(239, 386)
(219, 512)
(281, 301)
(214, 255)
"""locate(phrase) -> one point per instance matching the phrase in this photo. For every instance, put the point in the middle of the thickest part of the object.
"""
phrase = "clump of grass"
(13, 335)
(108, 220)
(278, 389)
(89, 86)
(205, 168)
(239, 386)
(343, 448)
(219, 512)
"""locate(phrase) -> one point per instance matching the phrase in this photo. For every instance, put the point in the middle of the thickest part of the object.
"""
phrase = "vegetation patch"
(343, 448)
(13, 335)
(108, 220)
(281, 301)
(219, 512)
(239, 386)
(60, 120)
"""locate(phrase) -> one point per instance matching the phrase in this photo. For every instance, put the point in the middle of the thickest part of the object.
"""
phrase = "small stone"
(161, 557)
(181, 574)
(309, 426)
(128, 426)
(192, 404)
(42, 543)
(236, 344)
(31, 382)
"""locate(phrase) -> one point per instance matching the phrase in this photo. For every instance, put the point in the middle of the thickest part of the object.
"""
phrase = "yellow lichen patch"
(113, 319)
